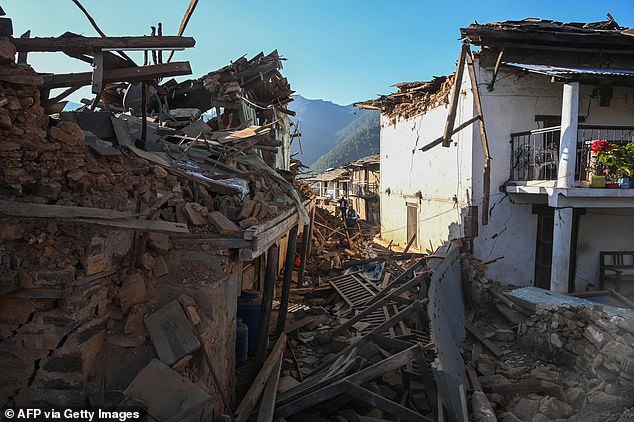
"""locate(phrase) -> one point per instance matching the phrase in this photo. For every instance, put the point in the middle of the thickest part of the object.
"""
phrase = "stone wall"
(74, 297)
(594, 341)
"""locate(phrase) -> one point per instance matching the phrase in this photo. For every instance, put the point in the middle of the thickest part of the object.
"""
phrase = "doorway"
(544, 246)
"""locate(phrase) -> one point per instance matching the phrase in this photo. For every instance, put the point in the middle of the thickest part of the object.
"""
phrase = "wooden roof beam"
(130, 74)
(89, 44)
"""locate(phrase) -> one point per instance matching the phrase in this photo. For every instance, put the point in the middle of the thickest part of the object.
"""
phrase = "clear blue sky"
(338, 50)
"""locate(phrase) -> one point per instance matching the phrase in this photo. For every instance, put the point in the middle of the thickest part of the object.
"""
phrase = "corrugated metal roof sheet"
(570, 71)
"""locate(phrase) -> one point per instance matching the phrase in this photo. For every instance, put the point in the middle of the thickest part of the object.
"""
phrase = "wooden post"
(99, 31)
(310, 230)
(160, 34)
(143, 114)
(486, 182)
(496, 70)
(265, 310)
(286, 285)
(409, 244)
(305, 253)
(22, 55)
(181, 30)
(251, 397)
(153, 34)
(455, 92)
(97, 73)
(220, 125)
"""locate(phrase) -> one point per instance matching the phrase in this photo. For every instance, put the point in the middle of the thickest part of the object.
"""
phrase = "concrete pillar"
(562, 242)
(568, 141)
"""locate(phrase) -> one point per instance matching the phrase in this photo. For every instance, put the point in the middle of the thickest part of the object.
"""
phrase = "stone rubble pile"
(596, 342)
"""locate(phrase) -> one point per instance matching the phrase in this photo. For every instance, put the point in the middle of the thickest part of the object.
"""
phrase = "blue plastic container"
(249, 304)
(242, 342)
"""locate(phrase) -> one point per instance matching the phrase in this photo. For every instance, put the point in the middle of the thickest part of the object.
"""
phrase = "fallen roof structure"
(412, 98)
(145, 210)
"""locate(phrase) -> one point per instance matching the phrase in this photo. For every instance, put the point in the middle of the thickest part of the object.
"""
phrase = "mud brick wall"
(72, 305)
(596, 342)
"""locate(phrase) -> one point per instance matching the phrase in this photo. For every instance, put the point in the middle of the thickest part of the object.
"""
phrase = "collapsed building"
(130, 229)
(126, 238)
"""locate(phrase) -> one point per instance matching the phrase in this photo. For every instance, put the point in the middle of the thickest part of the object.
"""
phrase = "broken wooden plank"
(286, 284)
(387, 405)
(473, 379)
(214, 375)
(294, 325)
(410, 243)
(33, 80)
(88, 215)
(455, 91)
(340, 369)
(90, 44)
(621, 298)
(333, 389)
(181, 29)
(266, 306)
(25, 209)
(374, 306)
(250, 399)
(128, 74)
(264, 240)
(400, 279)
(486, 177)
(267, 406)
(154, 226)
(457, 129)
(99, 31)
(404, 314)
(486, 342)
(529, 386)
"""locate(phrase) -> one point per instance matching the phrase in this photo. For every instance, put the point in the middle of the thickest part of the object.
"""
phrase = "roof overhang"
(539, 35)
(589, 75)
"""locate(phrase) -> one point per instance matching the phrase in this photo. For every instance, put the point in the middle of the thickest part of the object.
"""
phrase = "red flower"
(600, 145)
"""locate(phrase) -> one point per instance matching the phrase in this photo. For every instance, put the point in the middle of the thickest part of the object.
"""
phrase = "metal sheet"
(447, 317)
(570, 70)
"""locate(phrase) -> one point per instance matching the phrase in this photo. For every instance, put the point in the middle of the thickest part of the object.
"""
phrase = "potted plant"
(620, 158)
(598, 167)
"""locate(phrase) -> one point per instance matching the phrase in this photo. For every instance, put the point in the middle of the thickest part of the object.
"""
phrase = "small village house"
(358, 181)
(513, 169)
(364, 187)
(331, 184)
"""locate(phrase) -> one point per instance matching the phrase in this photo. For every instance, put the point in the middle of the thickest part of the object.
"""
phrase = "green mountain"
(319, 122)
(358, 139)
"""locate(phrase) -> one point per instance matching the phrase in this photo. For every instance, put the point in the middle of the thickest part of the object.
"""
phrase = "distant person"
(349, 208)
(343, 207)
(352, 216)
